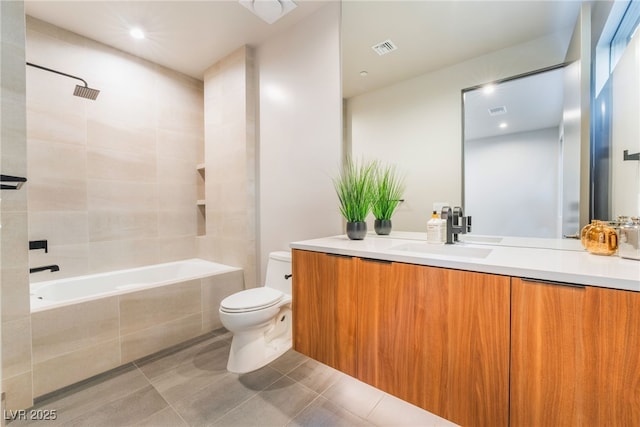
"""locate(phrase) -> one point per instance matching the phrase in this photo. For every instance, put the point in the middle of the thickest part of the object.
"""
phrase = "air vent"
(384, 47)
(497, 111)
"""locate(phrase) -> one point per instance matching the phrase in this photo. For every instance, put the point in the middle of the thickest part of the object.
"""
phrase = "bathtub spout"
(46, 267)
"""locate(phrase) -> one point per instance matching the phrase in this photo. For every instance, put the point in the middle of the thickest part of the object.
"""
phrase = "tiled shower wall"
(112, 182)
(16, 319)
(230, 162)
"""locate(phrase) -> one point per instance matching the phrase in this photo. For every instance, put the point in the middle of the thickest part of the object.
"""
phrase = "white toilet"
(260, 318)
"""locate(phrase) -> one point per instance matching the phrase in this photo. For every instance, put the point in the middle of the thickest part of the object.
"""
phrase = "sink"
(448, 250)
(480, 239)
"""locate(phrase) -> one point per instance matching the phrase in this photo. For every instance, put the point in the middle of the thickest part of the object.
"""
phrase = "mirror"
(405, 106)
(521, 171)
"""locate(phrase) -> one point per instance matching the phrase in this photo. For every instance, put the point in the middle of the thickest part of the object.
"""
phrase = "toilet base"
(251, 350)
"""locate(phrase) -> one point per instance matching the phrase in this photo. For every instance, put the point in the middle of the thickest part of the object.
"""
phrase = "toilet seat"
(251, 300)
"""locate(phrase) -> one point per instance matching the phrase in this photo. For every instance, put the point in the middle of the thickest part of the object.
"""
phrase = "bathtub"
(87, 325)
(59, 292)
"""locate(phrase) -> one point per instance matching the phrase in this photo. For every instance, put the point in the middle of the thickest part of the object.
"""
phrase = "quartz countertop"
(557, 260)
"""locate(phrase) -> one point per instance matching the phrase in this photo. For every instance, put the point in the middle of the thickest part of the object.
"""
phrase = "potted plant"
(388, 189)
(355, 188)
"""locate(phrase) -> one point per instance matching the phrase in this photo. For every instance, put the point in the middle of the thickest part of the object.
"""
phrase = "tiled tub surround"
(78, 338)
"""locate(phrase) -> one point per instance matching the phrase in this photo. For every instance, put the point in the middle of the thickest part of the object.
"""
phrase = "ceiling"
(189, 36)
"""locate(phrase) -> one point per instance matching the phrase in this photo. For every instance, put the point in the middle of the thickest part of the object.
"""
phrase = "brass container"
(600, 239)
(584, 232)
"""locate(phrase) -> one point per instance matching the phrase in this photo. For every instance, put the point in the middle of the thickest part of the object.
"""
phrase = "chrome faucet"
(456, 223)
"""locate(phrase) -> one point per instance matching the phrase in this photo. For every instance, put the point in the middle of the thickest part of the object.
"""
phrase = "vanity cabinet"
(574, 355)
(324, 308)
(434, 337)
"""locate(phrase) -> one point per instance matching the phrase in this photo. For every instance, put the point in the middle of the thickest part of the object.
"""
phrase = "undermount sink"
(449, 250)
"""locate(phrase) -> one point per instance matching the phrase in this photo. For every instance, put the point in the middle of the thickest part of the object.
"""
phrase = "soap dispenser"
(436, 229)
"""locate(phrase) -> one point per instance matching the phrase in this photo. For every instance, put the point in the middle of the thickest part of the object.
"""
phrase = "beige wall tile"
(158, 337)
(15, 295)
(214, 290)
(16, 348)
(177, 223)
(57, 194)
(125, 195)
(144, 309)
(120, 165)
(173, 248)
(74, 327)
(122, 224)
(118, 254)
(116, 136)
(58, 227)
(18, 390)
(69, 368)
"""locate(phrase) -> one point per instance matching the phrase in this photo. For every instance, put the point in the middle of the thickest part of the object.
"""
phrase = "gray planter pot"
(356, 230)
(382, 226)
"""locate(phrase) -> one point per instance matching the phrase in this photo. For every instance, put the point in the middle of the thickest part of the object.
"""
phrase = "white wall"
(511, 182)
(625, 133)
(299, 132)
(417, 124)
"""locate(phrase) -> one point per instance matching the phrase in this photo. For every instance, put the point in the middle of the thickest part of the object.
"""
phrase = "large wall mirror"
(404, 106)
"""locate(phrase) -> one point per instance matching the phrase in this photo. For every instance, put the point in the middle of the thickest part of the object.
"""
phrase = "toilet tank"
(279, 266)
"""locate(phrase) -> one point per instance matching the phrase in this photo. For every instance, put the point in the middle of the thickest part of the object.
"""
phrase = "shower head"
(86, 92)
(81, 91)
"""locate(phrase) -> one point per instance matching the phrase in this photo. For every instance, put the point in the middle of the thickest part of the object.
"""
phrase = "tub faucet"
(456, 223)
(46, 267)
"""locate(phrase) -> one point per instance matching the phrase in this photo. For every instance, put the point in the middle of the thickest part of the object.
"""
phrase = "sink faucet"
(46, 267)
(456, 223)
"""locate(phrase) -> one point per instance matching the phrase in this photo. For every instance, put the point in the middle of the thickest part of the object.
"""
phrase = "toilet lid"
(251, 299)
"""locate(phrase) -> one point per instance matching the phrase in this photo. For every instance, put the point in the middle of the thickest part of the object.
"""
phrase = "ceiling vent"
(497, 111)
(384, 47)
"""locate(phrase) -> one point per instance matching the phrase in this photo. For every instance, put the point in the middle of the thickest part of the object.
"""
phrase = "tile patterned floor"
(190, 386)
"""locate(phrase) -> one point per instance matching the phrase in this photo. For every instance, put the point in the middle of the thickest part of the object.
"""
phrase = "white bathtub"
(59, 292)
(101, 321)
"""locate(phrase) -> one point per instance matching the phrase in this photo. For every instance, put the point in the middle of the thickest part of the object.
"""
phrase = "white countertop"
(558, 260)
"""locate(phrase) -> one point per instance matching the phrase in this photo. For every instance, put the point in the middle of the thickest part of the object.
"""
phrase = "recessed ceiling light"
(364, 73)
(489, 89)
(136, 33)
(503, 125)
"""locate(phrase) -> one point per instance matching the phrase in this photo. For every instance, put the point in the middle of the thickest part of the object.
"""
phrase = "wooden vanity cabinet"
(437, 338)
(434, 337)
(574, 357)
(324, 308)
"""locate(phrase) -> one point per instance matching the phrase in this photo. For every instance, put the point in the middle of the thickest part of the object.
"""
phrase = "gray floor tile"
(315, 375)
(165, 418)
(274, 406)
(288, 361)
(323, 412)
(202, 370)
(354, 395)
(212, 402)
(157, 365)
(72, 402)
(125, 411)
(394, 412)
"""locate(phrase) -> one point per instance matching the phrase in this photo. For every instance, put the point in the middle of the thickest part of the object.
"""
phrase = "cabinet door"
(612, 357)
(547, 363)
(437, 338)
(324, 319)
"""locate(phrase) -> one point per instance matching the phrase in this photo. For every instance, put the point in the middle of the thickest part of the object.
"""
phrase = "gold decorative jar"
(599, 238)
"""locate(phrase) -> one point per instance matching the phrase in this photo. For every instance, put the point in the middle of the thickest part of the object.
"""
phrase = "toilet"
(260, 318)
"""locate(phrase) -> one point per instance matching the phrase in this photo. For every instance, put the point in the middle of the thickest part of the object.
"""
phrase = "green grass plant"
(388, 189)
(355, 189)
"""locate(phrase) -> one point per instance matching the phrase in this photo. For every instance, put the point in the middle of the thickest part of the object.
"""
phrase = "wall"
(112, 182)
(300, 132)
(625, 133)
(527, 203)
(417, 124)
(230, 164)
(14, 294)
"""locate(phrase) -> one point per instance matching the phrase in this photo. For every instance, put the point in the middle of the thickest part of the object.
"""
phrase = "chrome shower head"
(86, 92)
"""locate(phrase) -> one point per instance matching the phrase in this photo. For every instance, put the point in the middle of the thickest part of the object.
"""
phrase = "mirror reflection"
(412, 114)
(521, 172)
